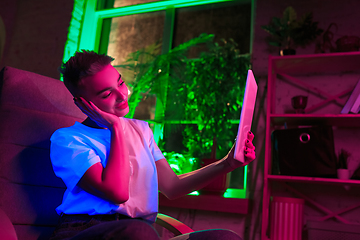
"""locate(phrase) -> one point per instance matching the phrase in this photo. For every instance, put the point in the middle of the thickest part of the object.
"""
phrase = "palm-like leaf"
(289, 32)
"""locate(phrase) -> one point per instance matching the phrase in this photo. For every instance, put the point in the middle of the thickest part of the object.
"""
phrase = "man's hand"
(249, 153)
(112, 181)
(101, 118)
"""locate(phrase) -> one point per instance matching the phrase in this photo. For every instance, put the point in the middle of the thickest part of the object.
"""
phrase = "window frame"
(91, 28)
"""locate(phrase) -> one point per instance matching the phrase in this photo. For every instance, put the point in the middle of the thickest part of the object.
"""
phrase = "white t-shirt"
(76, 148)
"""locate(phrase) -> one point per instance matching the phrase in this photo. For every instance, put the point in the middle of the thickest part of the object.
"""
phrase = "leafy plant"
(288, 32)
(206, 90)
(180, 163)
(215, 98)
(343, 159)
(154, 72)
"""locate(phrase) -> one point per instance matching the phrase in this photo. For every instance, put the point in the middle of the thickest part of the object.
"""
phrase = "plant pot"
(284, 52)
(219, 185)
(299, 103)
(343, 173)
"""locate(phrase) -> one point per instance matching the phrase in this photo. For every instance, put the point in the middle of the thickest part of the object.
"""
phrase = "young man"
(112, 166)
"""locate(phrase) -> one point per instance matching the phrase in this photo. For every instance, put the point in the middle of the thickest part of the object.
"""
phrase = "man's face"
(107, 91)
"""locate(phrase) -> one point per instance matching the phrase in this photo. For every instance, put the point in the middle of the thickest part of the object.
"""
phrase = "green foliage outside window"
(206, 91)
(215, 98)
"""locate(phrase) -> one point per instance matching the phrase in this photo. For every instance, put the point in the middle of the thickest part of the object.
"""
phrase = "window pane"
(224, 20)
(129, 34)
(175, 150)
(122, 3)
(132, 33)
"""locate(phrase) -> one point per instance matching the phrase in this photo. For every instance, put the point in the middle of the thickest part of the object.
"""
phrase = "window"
(120, 27)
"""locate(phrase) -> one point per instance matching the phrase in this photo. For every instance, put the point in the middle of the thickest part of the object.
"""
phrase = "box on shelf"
(332, 231)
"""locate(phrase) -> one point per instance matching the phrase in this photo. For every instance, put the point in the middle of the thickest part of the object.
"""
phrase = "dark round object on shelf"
(284, 52)
(299, 103)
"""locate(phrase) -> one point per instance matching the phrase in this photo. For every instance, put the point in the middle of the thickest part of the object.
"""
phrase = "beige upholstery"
(32, 107)
(6, 228)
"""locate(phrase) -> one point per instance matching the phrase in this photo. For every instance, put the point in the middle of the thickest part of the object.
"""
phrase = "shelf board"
(208, 203)
(317, 63)
(340, 120)
(284, 178)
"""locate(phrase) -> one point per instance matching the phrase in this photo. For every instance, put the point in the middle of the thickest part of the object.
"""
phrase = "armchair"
(32, 107)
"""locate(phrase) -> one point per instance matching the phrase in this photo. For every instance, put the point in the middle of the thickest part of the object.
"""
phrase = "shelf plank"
(317, 63)
(340, 120)
(284, 178)
(208, 203)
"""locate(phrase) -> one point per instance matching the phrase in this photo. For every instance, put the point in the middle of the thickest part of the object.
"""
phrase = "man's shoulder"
(71, 131)
(138, 122)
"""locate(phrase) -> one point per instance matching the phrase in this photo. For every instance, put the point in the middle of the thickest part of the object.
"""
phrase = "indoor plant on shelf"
(289, 32)
(342, 164)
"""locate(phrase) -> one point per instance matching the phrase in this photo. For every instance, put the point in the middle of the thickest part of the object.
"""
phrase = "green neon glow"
(72, 41)
(245, 177)
(90, 30)
(90, 38)
(230, 193)
(235, 193)
(194, 193)
(153, 7)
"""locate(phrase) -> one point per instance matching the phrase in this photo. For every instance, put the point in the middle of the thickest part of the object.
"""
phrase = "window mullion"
(104, 36)
(166, 47)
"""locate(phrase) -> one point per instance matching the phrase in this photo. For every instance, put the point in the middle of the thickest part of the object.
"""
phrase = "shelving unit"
(289, 67)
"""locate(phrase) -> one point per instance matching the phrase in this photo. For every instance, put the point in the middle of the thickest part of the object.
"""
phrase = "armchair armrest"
(172, 224)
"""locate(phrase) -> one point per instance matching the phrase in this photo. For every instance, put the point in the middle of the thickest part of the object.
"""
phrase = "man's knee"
(137, 229)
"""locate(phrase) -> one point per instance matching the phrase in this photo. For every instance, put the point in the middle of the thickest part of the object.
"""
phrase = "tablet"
(246, 116)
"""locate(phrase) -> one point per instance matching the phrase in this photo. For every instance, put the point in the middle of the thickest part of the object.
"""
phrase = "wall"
(36, 32)
(343, 13)
(36, 36)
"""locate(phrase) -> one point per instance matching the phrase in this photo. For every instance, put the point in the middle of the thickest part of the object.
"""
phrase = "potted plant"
(153, 73)
(206, 91)
(289, 32)
(215, 99)
(180, 163)
(342, 164)
(150, 74)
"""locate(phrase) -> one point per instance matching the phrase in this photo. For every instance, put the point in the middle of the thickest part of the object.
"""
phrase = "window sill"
(208, 203)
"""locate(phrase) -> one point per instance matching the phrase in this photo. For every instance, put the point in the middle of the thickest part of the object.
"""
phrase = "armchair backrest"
(32, 107)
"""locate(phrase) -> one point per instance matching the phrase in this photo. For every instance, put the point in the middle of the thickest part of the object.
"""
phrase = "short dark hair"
(84, 63)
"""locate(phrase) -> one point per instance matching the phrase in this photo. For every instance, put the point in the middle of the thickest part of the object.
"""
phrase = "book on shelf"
(356, 106)
(352, 104)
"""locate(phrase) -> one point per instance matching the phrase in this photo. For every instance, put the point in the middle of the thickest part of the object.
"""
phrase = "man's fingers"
(250, 136)
(249, 144)
(87, 108)
(250, 153)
